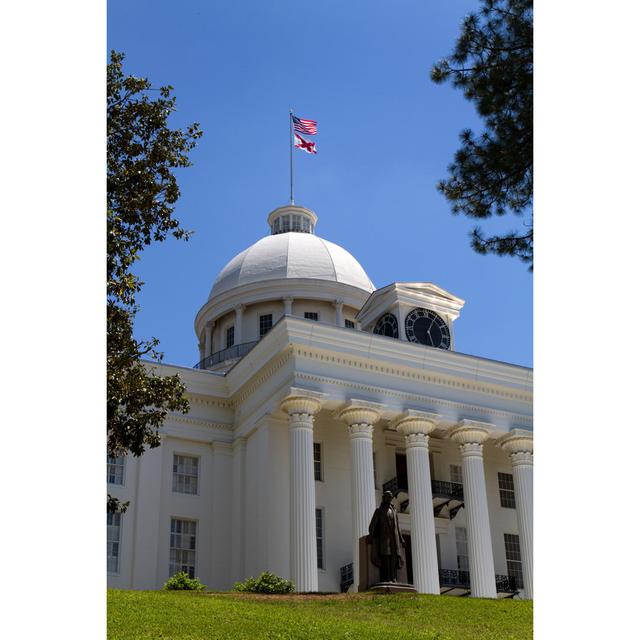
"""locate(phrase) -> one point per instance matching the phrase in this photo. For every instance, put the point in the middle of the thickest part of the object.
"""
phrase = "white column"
(360, 416)
(470, 435)
(237, 336)
(519, 444)
(304, 556)
(339, 304)
(208, 333)
(288, 306)
(237, 509)
(415, 426)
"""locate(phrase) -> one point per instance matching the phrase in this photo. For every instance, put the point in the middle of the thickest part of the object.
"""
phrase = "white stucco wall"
(341, 364)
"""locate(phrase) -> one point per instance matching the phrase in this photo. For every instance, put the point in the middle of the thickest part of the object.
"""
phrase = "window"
(461, 549)
(350, 324)
(286, 226)
(311, 315)
(113, 541)
(276, 226)
(317, 461)
(266, 322)
(185, 474)
(297, 223)
(230, 336)
(115, 470)
(514, 561)
(455, 473)
(507, 492)
(182, 547)
(306, 225)
(320, 537)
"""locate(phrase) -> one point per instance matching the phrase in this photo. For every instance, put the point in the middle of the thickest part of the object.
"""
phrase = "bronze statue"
(386, 540)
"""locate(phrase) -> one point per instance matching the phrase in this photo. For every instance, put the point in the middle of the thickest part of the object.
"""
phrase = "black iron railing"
(346, 577)
(506, 584)
(439, 489)
(230, 353)
(393, 486)
(454, 578)
(449, 490)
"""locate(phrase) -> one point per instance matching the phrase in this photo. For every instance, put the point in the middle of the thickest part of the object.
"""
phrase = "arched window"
(387, 325)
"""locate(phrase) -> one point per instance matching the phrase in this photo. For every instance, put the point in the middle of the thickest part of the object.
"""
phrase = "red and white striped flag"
(305, 145)
(310, 127)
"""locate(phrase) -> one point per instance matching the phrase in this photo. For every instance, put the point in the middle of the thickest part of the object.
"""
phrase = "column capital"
(471, 432)
(412, 421)
(517, 441)
(338, 302)
(302, 401)
(360, 430)
(240, 307)
(360, 412)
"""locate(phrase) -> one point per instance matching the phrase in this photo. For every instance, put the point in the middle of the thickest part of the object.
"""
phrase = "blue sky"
(386, 134)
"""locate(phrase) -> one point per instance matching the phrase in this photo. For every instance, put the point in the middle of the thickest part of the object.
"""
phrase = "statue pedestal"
(393, 587)
(369, 578)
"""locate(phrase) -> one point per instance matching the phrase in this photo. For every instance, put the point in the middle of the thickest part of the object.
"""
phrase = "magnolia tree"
(142, 154)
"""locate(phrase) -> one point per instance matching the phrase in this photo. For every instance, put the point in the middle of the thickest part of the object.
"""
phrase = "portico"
(429, 505)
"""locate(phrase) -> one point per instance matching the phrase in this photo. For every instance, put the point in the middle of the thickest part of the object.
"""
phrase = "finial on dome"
(290, 218)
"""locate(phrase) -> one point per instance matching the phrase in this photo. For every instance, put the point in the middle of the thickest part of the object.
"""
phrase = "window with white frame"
(185, 474)
(320, 537)
(514, 560)
(455, 473)
(317, 461)
(230, 336)
(507, 491)
(462, 551)
(311, 315)
(349, 324)
(113, 542)
(182, 547)
(266, 322)
(115, 470)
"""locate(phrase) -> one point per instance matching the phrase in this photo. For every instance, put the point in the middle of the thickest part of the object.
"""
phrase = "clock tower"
(419, 312)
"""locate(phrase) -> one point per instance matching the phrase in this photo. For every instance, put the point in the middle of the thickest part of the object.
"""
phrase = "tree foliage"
(492, 174)
(142, 152)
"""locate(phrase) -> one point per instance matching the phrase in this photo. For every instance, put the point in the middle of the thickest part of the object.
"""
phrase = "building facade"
(314, 393)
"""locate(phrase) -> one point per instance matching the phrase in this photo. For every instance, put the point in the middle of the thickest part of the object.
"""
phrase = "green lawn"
(182, 615)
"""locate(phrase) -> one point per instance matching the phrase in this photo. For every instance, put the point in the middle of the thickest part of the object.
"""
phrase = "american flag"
(309, 127)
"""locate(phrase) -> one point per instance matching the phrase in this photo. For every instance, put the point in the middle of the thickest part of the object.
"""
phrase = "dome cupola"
(292, 218)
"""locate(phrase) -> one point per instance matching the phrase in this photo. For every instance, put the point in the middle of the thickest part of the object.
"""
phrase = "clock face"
(387, 325)
(426, 327)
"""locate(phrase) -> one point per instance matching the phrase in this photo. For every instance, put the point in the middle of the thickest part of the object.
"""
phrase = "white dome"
(292, 255)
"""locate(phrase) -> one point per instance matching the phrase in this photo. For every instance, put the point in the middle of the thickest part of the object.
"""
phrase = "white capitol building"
(315, 392)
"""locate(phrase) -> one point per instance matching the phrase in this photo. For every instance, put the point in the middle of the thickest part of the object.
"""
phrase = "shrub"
(265, 583)
(182, 582)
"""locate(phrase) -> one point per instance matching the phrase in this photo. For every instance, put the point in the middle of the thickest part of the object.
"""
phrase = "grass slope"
(179, 615)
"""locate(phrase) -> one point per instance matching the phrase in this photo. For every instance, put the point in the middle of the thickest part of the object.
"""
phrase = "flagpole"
(291, 151)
